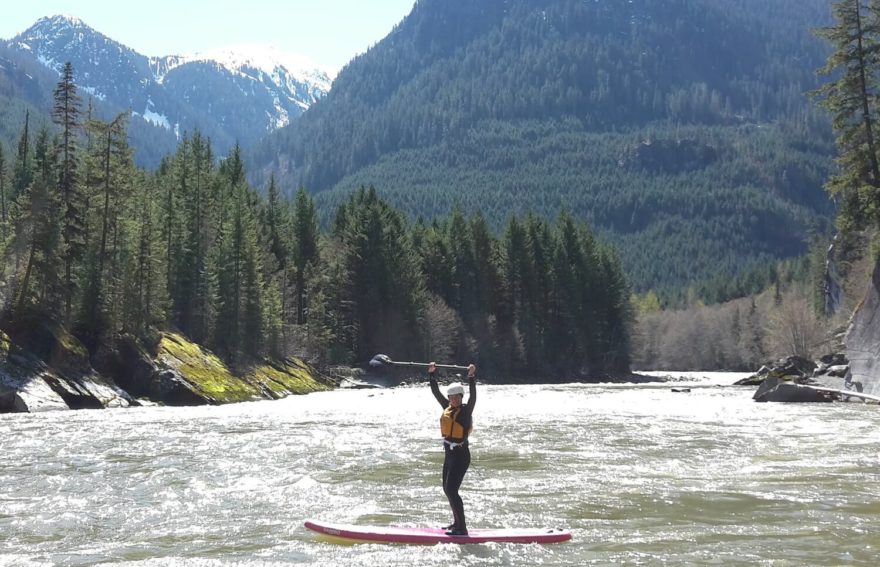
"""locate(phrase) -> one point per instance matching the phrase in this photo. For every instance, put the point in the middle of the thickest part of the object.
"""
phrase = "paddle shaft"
(426, 365)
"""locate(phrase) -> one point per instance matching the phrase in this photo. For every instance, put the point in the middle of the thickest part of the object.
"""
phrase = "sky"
(329, 32)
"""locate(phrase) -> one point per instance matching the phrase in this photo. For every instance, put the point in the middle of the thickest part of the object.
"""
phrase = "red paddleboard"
(430, 536)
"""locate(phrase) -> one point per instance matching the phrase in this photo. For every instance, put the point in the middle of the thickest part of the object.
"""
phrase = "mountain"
(25, 89)
(679, 128)
(237, 94)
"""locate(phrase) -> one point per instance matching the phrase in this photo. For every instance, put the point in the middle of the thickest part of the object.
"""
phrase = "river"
(640, 474)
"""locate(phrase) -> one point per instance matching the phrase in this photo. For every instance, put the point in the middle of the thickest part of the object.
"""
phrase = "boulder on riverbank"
(45, 368)
(776, 390)
(788, 368)
(853, 376)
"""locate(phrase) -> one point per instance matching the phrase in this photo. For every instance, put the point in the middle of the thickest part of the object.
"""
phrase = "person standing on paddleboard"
(456, 423)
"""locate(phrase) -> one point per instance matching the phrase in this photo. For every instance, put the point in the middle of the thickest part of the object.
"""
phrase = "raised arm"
(472, 387)
(432, 379)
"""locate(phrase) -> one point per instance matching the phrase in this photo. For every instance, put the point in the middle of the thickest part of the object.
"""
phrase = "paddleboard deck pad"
(430, 536)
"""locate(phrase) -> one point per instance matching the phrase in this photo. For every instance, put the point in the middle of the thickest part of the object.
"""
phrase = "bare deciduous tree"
(794, 328)
(442, 329)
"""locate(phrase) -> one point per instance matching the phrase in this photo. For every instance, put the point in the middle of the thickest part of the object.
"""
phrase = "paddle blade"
(380, 360)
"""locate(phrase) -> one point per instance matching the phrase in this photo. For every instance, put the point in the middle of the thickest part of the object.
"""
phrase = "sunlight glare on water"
(641, 475)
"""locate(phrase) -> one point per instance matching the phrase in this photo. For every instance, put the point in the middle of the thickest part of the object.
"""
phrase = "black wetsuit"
(458, 456)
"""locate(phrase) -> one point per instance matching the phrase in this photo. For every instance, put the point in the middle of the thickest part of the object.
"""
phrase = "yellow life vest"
(449, 427)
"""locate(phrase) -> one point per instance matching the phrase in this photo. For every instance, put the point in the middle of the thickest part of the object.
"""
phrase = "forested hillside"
(26, 87)
(93, 243)
(680, 129)
(22, 91)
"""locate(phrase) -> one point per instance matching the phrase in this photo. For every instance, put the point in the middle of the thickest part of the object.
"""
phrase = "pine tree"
(432, 246)
(615, 314)
(65, 113)
(194, 290)
(38, 232)
(90, 167)
(183, 292)
(537, 285)
(274, 323)
(251, 280)
(100, 304)
(277, 264)
(569, 320)
(22, 172)
(850, 98)
(494, 326)
(172, 226)
(305, 251)
(148, 287)
(4, 213)
(277, 228)
(386, 291)
(240, 317)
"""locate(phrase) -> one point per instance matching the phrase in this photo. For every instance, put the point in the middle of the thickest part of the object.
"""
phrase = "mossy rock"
(784, 375)
(204, 370)
(285, 377)
(51, 343)
(753, 380)
(5, 345)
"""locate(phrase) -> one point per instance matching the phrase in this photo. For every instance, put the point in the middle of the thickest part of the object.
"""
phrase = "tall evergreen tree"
(569, 321)
(143, 283)
(22, 172)
(90, 168)
(614, 314)
(66, 114)
(38, 232)
(4, 205)
(240, 318)
(464, 270)
(386, 290)
(851, 100)
(194, 291)
(104, 264)
(305, 251)
(250, 279)
(276, 221)
(277, 225)
(172, 224)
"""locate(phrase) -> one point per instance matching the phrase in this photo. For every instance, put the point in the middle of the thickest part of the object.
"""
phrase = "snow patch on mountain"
(150, 115)
(244, 59)
(93, 92)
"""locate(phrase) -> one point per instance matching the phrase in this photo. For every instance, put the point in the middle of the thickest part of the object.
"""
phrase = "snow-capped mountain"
(285, 68)
(287, 78)
(236, 94)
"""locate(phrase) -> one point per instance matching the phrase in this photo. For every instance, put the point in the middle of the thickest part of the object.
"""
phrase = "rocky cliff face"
(863, 341)
(45, 368)
(55, 376)
(798, 380)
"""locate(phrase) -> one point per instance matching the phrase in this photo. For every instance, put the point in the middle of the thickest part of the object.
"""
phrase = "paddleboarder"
(456, 423)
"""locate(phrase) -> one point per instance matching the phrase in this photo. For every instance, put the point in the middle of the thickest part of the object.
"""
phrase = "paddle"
(385, 360)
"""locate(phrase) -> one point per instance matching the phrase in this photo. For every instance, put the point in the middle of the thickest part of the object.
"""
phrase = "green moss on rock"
(285, 377)
(5, 344)
(211, 377)
(204, 370)
(70, 343)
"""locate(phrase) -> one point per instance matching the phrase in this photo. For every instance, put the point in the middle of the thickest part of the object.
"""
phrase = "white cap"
(455, 388)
